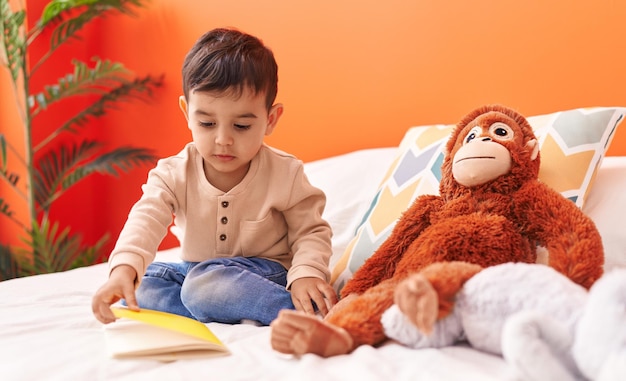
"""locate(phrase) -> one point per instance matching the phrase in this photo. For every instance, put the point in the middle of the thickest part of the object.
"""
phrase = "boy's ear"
(182, 103)
(275, 112)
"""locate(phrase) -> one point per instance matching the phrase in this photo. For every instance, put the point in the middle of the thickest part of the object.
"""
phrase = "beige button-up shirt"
(273, 213)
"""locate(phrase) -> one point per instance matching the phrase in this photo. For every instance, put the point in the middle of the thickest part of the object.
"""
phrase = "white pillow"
(606, 205)
(349, 181)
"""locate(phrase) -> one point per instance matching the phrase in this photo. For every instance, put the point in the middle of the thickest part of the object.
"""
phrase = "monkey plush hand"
(491, 209)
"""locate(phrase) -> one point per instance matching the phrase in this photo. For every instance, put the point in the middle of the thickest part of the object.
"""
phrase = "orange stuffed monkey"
(491, 209)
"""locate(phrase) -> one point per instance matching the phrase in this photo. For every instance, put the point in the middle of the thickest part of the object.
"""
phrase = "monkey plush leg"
(340, 305)
(294, 332)
(356, 323)
(361, 317)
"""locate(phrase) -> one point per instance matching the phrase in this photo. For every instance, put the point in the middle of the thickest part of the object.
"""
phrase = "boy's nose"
(223, 137)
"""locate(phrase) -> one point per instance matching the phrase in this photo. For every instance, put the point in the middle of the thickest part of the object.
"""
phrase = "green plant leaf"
(3, 152)
(13, 47)
(90, 254)
(139, 88)
(104, 76)
(53, 249)
(55, 165)
(61, 168)
(68, 17)
(9, 268)
(5, 208)
(56, 9)
(121, 159)
(11, 177)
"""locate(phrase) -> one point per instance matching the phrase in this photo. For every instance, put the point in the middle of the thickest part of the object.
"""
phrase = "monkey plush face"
(493, 146)
(483, 156)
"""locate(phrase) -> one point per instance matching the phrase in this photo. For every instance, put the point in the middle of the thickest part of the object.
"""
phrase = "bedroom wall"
(356, 74)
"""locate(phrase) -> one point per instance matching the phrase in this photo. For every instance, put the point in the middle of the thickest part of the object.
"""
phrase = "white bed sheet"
(47, 331)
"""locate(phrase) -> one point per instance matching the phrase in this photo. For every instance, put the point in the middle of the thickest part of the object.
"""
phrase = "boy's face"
(228, 131)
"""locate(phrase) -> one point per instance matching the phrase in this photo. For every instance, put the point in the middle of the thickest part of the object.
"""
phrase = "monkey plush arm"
(573, 242)
(382, 264)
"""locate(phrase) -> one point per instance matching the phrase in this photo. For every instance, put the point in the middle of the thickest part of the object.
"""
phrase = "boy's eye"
(242, 126)
(206, 124)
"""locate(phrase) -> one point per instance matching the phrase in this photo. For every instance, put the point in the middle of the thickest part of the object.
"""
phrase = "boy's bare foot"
(297, 333)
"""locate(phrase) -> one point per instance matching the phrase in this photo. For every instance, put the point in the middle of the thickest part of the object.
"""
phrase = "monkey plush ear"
(533, 147)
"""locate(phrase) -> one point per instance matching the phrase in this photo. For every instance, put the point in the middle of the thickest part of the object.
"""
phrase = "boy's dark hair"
(227, 59)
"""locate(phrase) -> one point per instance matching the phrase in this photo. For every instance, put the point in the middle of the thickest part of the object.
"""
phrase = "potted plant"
(64, 157)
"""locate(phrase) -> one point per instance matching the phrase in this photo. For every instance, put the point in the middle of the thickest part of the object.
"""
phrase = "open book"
(160, 336)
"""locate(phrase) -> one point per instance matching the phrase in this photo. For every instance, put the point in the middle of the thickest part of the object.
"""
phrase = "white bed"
(47, 331)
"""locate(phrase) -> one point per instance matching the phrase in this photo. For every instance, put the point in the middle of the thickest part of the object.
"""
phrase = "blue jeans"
(225, 290)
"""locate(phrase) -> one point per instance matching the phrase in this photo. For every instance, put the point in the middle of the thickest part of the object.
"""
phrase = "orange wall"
(356, 74)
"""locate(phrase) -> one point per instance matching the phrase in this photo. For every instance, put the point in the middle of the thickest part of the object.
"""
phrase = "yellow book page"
(177, 323)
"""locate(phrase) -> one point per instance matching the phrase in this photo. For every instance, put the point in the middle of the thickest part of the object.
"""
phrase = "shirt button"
(224, 220)
(222, 237)
(225, 204)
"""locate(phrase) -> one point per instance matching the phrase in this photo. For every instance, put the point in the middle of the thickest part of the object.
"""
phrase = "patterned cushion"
(572, 145)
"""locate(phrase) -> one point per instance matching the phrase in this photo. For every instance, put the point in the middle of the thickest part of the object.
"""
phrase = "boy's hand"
(306, 290)
(121, 285)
